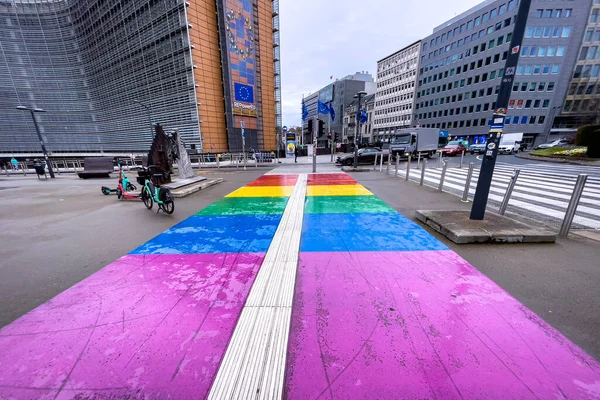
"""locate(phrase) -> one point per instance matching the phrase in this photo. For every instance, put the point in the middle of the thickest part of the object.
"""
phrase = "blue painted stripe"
(215, 234)
(365, 232)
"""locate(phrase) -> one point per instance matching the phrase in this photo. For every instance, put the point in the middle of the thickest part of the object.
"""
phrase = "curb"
(557, 160)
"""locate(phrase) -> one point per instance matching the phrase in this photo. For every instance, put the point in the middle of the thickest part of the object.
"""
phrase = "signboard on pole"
(290, 144)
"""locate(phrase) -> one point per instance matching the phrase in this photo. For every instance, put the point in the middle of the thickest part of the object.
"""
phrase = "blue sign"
(444, 134)
(285, 128)
(243, 92)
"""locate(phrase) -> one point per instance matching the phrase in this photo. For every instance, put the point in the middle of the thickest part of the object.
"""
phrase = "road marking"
(254, 363)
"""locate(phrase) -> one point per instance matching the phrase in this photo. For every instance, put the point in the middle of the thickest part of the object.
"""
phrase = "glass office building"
(104, 71)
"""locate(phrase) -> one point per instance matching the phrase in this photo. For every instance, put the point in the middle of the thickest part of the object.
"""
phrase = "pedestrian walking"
(14, 163)
(295, 154)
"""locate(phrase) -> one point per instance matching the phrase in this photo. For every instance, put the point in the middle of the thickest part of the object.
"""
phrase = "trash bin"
(39, 168)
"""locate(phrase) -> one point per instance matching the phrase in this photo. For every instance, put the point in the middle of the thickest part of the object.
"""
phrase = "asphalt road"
(54, 233)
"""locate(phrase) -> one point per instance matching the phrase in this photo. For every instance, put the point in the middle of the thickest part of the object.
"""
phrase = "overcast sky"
(320, 38)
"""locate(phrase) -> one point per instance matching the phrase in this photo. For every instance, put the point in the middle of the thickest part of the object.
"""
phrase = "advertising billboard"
(290, 144)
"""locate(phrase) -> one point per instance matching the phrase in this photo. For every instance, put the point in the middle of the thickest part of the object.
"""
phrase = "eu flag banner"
(332, 112)
(363, 116)
(244, 93)
(323, 109)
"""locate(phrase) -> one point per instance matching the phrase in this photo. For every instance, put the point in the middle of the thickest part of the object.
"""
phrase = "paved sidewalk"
(296, 286)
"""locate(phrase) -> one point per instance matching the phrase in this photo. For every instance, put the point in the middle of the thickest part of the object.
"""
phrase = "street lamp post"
(358, 96)
(148, 112)
(551, 123)
(37, 129)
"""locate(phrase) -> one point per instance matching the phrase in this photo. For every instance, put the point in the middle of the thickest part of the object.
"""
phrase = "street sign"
(242, 124)
(501, 111)
(285, 128)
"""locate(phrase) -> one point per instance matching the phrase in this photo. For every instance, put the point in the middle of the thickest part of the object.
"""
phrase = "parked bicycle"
(153, 193)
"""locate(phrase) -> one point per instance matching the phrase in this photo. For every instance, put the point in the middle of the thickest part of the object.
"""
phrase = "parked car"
(453, 149)
(478, 148)
(365, 156)
(555, 143)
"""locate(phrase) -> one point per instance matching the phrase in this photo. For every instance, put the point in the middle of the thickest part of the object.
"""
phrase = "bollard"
(465, 198)
(441, 186)
(397, 164)
(408, 167)
(440, 159)
(462, 157)
(218, 162)
(419, 161)
(256, 160)
(375, 164)
(389, 163)
(6, 170)
(24, 168)
(423, 172)
(509, 190)
(573, 203)
(381, 163)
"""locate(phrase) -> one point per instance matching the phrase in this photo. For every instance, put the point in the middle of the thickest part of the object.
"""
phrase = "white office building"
(396, 85)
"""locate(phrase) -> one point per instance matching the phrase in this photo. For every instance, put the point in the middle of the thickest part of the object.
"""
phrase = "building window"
(542, 119)
(546, 103)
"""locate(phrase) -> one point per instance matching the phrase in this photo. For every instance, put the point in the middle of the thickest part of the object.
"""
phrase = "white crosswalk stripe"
(542, 191)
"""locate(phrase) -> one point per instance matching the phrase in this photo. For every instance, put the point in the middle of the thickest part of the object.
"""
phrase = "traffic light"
(321, 128)
(309, 129)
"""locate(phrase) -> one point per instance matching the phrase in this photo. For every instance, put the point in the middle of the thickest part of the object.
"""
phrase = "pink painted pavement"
(420, 325)
(152, 326)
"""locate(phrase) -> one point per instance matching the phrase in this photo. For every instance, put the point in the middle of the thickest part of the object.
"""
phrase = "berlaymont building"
(104, 71)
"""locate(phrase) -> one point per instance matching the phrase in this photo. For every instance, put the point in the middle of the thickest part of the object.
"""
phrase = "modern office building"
(396, 89)
(341, 94)
(462, 65)
(105, 71)
(582, 103)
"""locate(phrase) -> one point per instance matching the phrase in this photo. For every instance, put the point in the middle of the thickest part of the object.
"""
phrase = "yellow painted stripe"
(262, 191)
(338, 190)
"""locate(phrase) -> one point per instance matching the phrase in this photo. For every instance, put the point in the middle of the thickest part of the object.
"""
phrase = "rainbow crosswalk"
(383, 310)
(156, 322)
(293, 286)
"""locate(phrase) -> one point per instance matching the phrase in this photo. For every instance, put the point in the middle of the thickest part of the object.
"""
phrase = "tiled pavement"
(295, 286)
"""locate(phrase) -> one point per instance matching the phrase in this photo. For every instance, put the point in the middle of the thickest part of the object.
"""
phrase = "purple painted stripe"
(422, 325)
(143, 327)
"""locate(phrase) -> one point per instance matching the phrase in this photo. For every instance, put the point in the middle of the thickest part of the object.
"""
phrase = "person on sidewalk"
(14, 163)
(295, 154)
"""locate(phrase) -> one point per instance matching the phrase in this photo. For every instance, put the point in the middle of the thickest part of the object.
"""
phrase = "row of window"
(584, 89)
(589, 53)
(404, 107)
(592, 35)
(520, 103)
(396, 89)
(538, 69)
(548, 31)
(594, 16)
(396, 99)
(533, 86)
(556, 13)
(459, 97)
(586, 105)
(389, 120)
(480, 48)
(398, 78)
(467, 26)
(524, 120)
(477, 35)
(586, 71)
(543, 51)
(475, 64)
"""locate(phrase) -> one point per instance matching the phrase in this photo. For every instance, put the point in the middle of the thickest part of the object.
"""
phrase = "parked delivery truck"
(415, 141)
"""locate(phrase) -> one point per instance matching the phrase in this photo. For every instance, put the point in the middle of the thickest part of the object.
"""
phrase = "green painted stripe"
(246, 206)
(346, 204)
